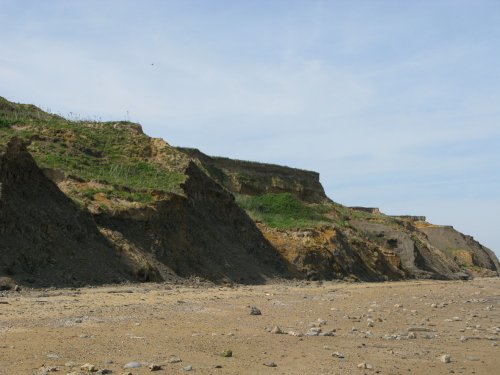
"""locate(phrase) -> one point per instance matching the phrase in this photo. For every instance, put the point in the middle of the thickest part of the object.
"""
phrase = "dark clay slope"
(45, 239)
(200, 233)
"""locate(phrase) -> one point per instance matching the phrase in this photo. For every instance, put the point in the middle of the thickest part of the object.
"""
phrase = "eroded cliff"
(94, 202)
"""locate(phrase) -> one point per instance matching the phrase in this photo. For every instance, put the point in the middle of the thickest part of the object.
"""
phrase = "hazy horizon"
(395, 104)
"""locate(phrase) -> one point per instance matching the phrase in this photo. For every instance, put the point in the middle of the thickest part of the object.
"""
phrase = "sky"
(395, 103)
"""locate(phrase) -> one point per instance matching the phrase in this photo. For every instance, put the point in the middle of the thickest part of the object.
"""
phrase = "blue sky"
(395, 103)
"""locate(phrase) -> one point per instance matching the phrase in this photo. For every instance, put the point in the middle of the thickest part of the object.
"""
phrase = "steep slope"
(200, 233)
(45, 238)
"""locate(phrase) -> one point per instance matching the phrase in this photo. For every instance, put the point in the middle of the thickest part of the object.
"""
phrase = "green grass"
(109, 152)
(283, 210)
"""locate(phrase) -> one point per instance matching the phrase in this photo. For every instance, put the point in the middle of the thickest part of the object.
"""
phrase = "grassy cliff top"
(117, 156)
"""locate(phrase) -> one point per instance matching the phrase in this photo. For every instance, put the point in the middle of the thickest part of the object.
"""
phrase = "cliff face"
(418, 257)
(329, 252)
(91, 202)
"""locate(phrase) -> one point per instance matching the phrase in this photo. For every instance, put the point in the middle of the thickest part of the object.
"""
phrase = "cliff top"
(117, 157)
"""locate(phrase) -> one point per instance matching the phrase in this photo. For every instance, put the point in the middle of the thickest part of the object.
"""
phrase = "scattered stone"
(217, 366)
(365, 366)
(70, 364)
(187, 368)
(338, 355)
(52, 356)
(392, 337)
(88, 367)
(315, 331)
(255, 311)
(277, 330)
(411, 335)
(446, 358)
(270, 364)
(321, 322)
(6, 283)
(132, 365)
(154, 367)
(227, 353)
(327, 333)
(104, 371)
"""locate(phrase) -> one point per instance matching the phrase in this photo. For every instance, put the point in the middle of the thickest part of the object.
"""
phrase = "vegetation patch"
(114, 153)
(283, 210)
